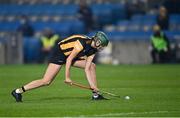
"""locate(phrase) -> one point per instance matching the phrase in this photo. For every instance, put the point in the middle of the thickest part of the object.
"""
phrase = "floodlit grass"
(154, 90)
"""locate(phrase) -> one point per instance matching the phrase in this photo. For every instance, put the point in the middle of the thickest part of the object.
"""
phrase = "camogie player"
(78, 51)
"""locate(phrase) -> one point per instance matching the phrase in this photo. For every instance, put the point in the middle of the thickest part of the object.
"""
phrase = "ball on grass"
(127, 97)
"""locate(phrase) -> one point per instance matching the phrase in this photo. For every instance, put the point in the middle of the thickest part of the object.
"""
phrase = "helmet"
(101, 36)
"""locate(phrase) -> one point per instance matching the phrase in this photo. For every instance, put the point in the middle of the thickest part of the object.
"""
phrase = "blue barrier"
(32, 50)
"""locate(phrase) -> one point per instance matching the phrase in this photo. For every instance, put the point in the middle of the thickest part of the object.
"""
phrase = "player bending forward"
(77, 51)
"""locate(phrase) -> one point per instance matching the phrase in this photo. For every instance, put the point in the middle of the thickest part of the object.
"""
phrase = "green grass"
(154, 91)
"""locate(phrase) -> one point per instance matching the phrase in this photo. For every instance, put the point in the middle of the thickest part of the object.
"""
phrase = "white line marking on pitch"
(131, 113)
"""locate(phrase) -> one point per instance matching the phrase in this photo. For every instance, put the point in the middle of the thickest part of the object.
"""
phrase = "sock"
(20, 90)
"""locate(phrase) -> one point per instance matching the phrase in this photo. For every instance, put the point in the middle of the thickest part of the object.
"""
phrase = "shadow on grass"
(64, 98)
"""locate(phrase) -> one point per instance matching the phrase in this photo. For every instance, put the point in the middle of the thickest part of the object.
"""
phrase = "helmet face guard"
(97, 42)
(101, 40)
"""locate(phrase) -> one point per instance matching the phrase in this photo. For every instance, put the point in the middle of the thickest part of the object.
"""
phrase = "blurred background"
(30, 28)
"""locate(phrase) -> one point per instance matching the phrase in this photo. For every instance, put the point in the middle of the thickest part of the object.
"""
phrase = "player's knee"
(93, 66)
(46, 82)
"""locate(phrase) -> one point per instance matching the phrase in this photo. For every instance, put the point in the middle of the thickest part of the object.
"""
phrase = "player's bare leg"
(93, 74)
(81, 64)
(49, 76)
(51, 71)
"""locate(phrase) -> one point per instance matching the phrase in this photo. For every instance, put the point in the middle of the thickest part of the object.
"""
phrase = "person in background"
(134, 7)
(85, 15)
(163, 18)
(160, 46)
(172, 6)
(48, 40)
(25, 28)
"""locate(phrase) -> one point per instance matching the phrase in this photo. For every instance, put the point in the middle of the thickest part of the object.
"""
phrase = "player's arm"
(77, 48)
(88, 71)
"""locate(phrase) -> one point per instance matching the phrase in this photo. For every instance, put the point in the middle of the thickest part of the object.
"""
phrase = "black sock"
(23, 89)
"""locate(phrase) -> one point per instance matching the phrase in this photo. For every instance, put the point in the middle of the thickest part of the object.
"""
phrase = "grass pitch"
(154, 91)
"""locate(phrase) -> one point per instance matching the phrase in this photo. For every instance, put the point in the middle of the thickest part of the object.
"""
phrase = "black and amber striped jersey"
(81, 43)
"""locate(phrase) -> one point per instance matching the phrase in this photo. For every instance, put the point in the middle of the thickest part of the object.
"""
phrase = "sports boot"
(98, 97)
(17, 96)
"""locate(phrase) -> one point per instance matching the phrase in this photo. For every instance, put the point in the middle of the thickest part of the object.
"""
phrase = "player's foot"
(98, 97)
(17, 96)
